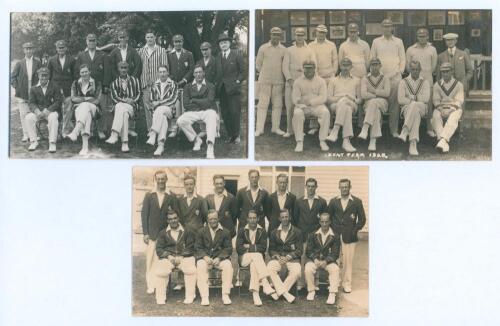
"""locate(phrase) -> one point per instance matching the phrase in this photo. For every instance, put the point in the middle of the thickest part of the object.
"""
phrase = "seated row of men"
(144, 80)
(280, 68)
(345, 94)
(300, 229)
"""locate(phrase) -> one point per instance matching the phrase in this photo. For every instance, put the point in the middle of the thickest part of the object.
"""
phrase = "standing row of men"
(280, 68)
(130, 76)
(194, 234)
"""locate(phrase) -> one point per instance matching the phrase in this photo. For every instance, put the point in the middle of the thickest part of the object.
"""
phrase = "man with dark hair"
(348, 217)
(154, 219)
(125, 52)
(175, 249)
(192, 207)
(163, 96)
(224, 203)
(279, 200)
(213, 249)
(251, 245)
(285, 250)
(230, 73)
(125, 93)
(252, 197)
(199, 106)
(62, 72)
(181, 62)
(207, 62)
(44, 103)
(22, 78)
(323, 250)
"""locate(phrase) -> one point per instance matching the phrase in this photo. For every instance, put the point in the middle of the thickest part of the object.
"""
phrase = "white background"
(65, 224)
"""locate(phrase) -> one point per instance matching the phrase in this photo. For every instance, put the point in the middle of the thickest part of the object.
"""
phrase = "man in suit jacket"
(199, 105)
(124, 52)
(251, 245)
(224, 203)
(44, 103)
(348, 217)
(323, 250)
(285, 250)
(308, 208)
(62, 74)
(181, 62)
(175, 249)
(279, 200)
(22, 78)
(230, 72)
(213, 249)
(252, 197)
(192, 207)
(207, 62)
(154, 219)
(459, 60)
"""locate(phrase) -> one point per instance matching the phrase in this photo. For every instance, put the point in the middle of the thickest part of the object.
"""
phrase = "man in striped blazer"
(163, 96)
(125, 94)
(175, 249)
(152, 56)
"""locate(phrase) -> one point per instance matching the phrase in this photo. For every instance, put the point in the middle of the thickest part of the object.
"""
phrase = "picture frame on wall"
(316, 17)
(437, 34)
(337, 32)
(436, 17)
(337, 17)
(397, 17)
(298, 18)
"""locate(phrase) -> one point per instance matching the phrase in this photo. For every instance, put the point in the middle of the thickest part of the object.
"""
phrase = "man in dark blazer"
(323, 250)
(124, 52)
(348, 217)
(280, 199)
(308, 208)
(180, 62)
(285, 250)
(62, 73)
(199, 106)
(154, 219)
(230, 73)
(22, 78)
(175, 249)
(459, 60)
(251, 245)
(44, 104)
(252, 197)
(224, 203)
(213, 249)
(192, 207)
(207, 62)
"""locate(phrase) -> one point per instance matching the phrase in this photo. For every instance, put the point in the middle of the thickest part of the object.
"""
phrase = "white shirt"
(123, 53)
(91, 55)
(284, 233)
(226, 53)
(324, 236)
(62, 61)
(29, 68)
(212, 232)
(161, 196)
(311, 201)
(281, 199)
(178, 54)
(218, 199)
(254, 194)
(345, 201)
(252, 233)
(189, 199)
(206, 61)
(163, 86)
(44, 89)
(175, 232)
(451, 51)
(150, 50)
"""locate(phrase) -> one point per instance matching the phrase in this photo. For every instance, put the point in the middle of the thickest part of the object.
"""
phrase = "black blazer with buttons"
(348, 222)
(194, 216)
(220, 247)
(52, 100)
(243, 238)
(246, 203)
(166, 245)
(305, 218)
(292, 245)
(209, 68)
(154, 215)
(328, 251)
(181, 68)
(228, 211)
(274, 209)
(62, 76)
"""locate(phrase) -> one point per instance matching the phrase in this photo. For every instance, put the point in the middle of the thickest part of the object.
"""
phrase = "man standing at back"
(326, 54)
(207, 62)
(224, 203)
(192, 207)
(23, 77)
(230, 72)
(355, 49)
(252, 197)
(280, 199)
(391, 52)
(461, 66)
(125, 52)
(155, 206)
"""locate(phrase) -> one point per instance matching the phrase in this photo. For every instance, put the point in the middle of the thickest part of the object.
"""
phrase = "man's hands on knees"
(146, 239)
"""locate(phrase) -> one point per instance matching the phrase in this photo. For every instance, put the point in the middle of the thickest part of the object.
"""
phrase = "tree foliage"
(44, 29)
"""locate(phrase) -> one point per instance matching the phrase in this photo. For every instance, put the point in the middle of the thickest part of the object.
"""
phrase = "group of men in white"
(370, 79)
(197, 236)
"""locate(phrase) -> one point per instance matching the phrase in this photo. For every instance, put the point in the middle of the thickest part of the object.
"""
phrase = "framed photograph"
(397, 17)
(436, 17)
(337, 32)
(437, 34)
(337, 17)
(316, 17)
(354, 17)
(475, 32)
(298, 18)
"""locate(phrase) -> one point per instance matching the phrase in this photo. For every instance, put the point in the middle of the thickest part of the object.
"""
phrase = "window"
(416, 18)
(296, 178)
(456, 18)
(337, 32)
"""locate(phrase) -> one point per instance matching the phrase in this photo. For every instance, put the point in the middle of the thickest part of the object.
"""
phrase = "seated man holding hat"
(45, 100)
(375, 90)
(309, 98)
(448, 98)
(343, 98)
(125, 93)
